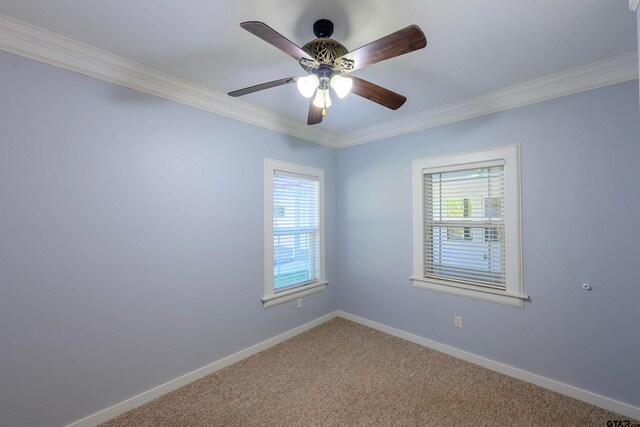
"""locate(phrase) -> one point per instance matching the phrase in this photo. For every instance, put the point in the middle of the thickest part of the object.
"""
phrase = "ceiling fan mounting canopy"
(323, 28)
(326, 61)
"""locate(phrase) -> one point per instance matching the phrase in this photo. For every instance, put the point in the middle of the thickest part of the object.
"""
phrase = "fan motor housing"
(325, 50)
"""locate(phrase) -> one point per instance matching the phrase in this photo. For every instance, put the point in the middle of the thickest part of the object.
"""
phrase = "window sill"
(491, 295)
(295, 293)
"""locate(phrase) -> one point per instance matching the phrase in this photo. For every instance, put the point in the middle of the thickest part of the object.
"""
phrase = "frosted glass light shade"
(342, 85)
(322, 99)
(307, 85)
(318, 101)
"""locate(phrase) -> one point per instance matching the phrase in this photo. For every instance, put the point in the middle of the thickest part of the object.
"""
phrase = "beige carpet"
(343, 373)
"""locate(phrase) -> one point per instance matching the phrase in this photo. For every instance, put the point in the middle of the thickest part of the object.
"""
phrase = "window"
(294, 231)
(467, 225)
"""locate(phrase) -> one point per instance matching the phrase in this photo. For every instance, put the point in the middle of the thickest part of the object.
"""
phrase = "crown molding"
(610, 71)
(633, 5)
(33, 42)
(37, 43)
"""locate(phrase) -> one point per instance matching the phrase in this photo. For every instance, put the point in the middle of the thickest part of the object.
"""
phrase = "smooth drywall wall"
(131, 241)
(580, 208)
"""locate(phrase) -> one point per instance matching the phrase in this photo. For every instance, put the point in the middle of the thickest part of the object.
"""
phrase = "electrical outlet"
(458, 322)
(299, 303)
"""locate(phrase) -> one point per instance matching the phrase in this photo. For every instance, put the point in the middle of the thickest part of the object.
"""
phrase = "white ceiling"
(474, 46)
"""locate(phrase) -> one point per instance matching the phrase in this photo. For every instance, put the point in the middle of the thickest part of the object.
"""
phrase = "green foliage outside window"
(458, 208)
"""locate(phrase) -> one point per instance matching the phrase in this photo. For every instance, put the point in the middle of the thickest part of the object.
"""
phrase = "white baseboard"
(154, 393)
(571, 391)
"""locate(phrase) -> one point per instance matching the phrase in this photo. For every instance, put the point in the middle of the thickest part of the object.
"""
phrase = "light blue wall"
(131, 241)
(580, 204)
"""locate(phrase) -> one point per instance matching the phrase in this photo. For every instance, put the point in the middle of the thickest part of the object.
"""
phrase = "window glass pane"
(464, 226)
(295, 231)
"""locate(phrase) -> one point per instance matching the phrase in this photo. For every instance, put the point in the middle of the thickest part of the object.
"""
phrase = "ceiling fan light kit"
(322, 100)
(325, 60)
(341, 85)
(307, 85)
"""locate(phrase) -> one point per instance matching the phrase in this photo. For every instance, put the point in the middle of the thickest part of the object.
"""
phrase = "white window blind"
(296, 238)
(464, 226)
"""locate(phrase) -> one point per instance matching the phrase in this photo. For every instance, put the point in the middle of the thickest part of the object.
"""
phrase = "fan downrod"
(323, 28)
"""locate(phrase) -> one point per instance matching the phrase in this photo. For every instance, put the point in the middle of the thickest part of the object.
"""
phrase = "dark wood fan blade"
(395, 44)
(262, 86)
(377, 94)
(273, 37)
(315, 114)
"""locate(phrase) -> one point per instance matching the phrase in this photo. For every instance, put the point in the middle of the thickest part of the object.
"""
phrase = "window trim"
(510, 156)
(272, 298)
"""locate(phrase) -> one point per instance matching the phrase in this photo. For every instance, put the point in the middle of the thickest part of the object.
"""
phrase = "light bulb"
(322, 99)
(318, 101)
(327, 100)
(342, 85)
(307, 85)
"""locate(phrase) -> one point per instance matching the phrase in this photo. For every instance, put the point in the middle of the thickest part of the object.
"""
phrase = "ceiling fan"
(325, 61)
